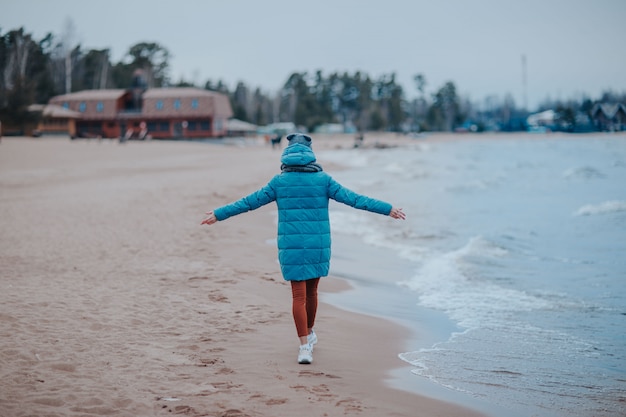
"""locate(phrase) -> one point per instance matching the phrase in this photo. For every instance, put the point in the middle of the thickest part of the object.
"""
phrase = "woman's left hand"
(397, 213)
(210, 219)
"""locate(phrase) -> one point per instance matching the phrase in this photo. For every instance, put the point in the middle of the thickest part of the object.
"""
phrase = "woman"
(302, 192)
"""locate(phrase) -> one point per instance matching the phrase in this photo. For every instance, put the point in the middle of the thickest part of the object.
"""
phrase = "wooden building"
(609, 116)
(139, 113)
(53, 120)
(238, 127)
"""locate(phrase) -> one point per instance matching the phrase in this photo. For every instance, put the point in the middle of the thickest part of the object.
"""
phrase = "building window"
(152, 126)
(82, 107)
(218, 125)
(159, 105)
(194, 103)
(66, 105)
(177, 104)
(164, 126)
(99, 107)
(205, 126)
(191, 126)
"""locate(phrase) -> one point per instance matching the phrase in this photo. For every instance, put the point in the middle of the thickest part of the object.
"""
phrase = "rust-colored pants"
(304, 304)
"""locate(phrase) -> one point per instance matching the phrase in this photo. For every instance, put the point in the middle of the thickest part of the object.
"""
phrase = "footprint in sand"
(197, 278)
(272, 401)
(211, 361)
(224, 386)
(233, 413)
(225, 371)
(51, 402)
(218, 297)
(321, 391)
(350, 405)
(65, 367)
(276, 401)
(184, 409)
(195, 282)
(313, 373)
(226, 281)
(268, 278)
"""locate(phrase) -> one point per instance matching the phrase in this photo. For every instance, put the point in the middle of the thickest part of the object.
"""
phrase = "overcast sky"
(572, 47)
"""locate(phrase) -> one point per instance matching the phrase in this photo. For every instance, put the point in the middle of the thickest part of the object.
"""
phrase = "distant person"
(302, 192)
(276, 141)
(358, 140)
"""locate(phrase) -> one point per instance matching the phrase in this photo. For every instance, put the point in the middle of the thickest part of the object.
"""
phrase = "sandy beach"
(115, 301)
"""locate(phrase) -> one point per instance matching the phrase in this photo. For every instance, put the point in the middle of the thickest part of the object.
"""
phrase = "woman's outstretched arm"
(251, 202)
(346, 196)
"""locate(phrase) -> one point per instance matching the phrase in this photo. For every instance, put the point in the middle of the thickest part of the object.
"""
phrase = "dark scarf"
(310, 167)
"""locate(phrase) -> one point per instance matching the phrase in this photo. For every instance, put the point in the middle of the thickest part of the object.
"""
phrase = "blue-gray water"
(521, 243)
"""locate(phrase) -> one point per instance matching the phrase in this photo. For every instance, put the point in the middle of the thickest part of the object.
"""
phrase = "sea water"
(520, 243)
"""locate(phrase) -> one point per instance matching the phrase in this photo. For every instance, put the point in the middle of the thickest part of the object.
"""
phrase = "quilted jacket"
(304, 240)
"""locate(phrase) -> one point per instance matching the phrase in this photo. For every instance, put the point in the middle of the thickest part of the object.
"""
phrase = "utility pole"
(68, 71)
(524, 83)
(68, 39)
(104, 69)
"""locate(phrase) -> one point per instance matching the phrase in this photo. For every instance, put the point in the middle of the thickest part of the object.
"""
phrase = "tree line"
(33, 71)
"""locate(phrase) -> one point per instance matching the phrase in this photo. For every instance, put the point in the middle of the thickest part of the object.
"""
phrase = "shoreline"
(116, 301)
(416, 327)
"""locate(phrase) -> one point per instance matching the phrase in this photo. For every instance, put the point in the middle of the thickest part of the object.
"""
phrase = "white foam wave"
(612, 206)
(443, 283)
(350, 223)
(406, 172)
(585, 172)
(351, 160)
(394, 168)
(473, 185)
(395, 236)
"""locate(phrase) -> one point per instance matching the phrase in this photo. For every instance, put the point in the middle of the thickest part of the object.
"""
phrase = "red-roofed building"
(160, 113)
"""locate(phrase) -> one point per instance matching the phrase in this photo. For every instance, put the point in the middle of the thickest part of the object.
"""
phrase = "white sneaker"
(305, 356)
(312, 339)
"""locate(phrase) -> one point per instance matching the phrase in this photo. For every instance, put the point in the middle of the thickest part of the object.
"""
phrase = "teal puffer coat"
(303, 223)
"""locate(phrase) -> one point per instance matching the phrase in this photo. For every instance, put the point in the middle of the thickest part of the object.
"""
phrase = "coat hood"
(297, 154)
